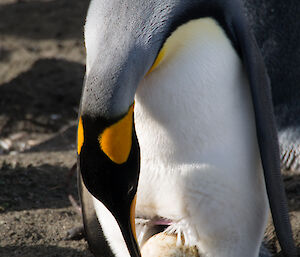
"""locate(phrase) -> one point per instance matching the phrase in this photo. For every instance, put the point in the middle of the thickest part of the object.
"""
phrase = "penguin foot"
(264, 251)
(288, 122)
(76, 206)
(76, 233)
(290, 157)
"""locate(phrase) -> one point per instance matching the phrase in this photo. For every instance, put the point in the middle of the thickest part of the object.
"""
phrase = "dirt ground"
(41, 74)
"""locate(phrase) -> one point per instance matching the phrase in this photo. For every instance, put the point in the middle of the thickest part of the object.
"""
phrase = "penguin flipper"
(93, 231)
(265, 126)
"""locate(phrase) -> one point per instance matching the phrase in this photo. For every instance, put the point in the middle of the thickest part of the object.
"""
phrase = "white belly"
(200, 164)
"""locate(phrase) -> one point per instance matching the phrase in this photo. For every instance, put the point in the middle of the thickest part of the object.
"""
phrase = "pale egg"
(164, 245)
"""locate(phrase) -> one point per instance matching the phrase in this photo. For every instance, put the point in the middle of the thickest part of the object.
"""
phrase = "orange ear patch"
(80, 136)
(116, 140)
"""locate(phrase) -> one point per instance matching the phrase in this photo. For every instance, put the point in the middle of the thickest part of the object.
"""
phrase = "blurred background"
(42, 60)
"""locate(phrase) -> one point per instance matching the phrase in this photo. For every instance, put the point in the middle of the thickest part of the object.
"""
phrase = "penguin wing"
(266, 131)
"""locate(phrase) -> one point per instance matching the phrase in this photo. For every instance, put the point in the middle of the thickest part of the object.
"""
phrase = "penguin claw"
(264, 251)
(76, 233)
(75, 205)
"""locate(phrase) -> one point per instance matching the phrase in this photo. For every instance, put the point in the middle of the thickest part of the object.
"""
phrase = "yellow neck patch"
(158, 60)
(116, 140)
(80, 136)
(185, 33)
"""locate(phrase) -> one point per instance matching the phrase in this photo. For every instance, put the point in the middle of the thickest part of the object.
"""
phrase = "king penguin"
(176, 128)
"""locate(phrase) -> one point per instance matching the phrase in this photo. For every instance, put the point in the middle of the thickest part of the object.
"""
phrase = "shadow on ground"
(64, 140)
(41, 251)
(43, 99)
(60, 19)
(35, 187)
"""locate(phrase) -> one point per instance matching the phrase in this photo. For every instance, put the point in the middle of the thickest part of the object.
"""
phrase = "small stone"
(6, 143)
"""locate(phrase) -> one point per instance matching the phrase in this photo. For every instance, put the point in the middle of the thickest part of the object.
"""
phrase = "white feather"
(200, 165)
